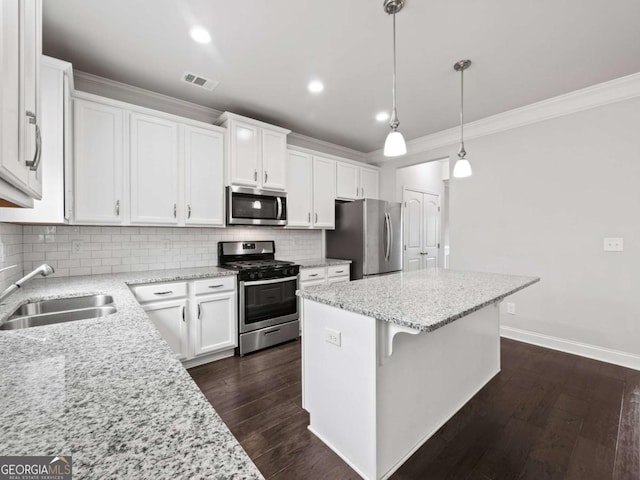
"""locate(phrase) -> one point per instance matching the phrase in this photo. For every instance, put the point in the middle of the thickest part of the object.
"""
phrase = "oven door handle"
(279, 202)
(267, 282)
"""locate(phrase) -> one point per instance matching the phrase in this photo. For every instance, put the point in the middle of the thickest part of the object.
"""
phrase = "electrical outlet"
(613, 244)
(511, 308)
(332, 336)
(76, 246)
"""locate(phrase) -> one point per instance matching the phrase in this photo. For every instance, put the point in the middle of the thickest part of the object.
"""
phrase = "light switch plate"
(613, 244)
(76, 246)
(511, 308)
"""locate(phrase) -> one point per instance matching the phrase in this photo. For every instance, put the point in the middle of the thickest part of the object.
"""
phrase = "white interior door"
(421, 230)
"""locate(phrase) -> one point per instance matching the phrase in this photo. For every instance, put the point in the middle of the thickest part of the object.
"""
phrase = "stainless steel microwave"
(248, 206)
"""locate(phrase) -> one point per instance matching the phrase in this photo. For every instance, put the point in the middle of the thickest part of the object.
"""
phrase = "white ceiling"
(264, 53)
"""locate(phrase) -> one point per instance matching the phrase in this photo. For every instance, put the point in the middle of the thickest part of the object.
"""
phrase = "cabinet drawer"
(159, 291)
(312, 274)
(215, 285)
(312, 283)
(338, 270)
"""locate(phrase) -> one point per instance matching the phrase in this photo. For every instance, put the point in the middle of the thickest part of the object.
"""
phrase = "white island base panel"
(375, 398)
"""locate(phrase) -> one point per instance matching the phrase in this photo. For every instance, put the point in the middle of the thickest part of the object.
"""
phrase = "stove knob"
(252, 276)
(259, 274)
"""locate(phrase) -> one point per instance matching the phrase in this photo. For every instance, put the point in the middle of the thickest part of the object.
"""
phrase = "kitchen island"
(389, 359)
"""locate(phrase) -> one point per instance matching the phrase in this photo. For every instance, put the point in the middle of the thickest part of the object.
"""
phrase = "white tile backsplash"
(11, 253)
(76, 250)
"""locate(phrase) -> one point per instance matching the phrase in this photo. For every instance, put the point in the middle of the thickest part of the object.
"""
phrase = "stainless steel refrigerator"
(369, 233)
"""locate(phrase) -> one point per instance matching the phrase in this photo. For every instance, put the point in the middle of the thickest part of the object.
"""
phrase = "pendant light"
(462, 168)
(395, 145)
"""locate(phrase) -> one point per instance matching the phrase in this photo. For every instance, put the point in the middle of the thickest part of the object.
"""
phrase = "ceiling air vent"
(199, 81)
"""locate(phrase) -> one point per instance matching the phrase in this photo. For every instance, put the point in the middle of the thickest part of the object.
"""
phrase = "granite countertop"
(321, 262)
(109, 391)
(424, 300)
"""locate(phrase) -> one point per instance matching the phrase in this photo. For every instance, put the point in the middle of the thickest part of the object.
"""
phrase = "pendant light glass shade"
(462, 168)
(395, 145)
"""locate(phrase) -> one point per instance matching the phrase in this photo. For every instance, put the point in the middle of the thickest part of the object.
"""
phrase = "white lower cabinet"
(199, 328)
(170, 318)
(314, 276)
(215, 325)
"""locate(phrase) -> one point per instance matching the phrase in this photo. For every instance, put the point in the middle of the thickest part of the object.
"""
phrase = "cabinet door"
(347, 185)
(324, 192)
(274, 160)
(244, 154)
(300, 191)
(204, 182)
(31, 51)
(154, 170)
(215, 324)
(98, 163)
(335, 280)
(369, 183)
(14, 120)
(170, 318)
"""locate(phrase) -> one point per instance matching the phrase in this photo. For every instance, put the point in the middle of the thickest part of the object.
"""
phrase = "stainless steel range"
(268, 311)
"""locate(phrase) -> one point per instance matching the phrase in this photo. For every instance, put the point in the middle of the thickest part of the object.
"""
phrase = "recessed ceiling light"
(382, 117)
(316, 86)
(200, 35)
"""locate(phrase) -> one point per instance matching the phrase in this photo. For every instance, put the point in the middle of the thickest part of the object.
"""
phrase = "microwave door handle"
(279, 202)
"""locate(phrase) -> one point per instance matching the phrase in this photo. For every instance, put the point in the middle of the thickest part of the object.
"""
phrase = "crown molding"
(105, 87)
(115, 90)
(617, 90)
(304, 141)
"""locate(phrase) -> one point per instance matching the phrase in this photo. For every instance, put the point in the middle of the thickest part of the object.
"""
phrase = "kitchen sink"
(59, 310)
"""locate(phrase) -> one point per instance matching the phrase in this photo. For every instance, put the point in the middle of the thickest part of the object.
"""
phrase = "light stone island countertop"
(109, 392)
(424, 300)
(321, 262)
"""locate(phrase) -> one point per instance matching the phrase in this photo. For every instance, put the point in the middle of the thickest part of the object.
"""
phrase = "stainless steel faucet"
(43, 270)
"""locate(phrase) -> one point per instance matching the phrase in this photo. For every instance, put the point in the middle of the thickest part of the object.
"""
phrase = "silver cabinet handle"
(183, 315)
(175, 210)
(117, 208)
(424, 253)
(255, 175)
(362, 188)
(168, 292)
(35, 163)
(266, 176)
(313, 275)
(339, 271)
(216, 286)
(316, 217)
(198, 310)
(188, 211)
(309, 217)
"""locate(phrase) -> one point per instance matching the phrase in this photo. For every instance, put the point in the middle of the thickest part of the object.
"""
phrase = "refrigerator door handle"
(387, 246)
(390, 235)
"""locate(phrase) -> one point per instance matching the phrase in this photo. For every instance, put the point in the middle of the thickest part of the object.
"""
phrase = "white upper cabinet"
(354, 182)
(369, 183)
(274, 169)
(347, 181)
(244, 154)
(300, 191)
(257, 154)
(204, 170)
(20, 51)
(98, 163)
(324, 192)
(154, 170)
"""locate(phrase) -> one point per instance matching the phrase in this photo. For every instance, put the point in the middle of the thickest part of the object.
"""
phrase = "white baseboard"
(594, 352)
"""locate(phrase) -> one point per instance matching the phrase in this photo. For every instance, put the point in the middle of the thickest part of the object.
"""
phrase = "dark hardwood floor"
(547, 415)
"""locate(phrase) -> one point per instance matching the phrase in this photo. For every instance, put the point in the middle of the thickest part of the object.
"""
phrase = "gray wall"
(541, 199)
